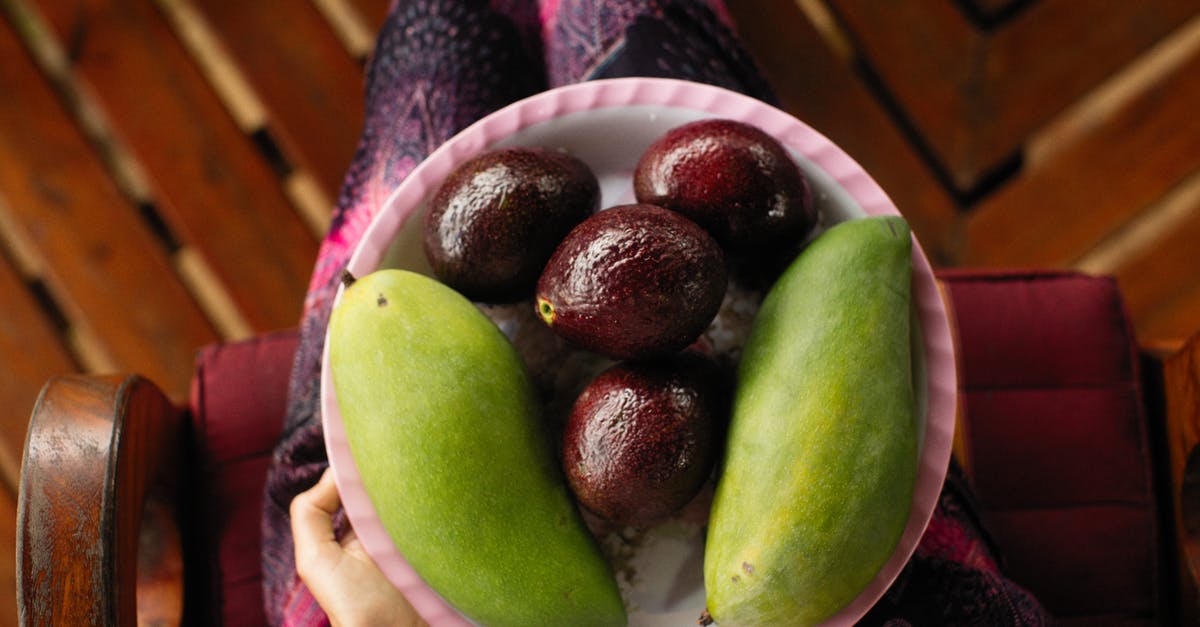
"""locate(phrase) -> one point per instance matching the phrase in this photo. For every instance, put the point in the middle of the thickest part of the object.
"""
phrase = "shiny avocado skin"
(820, 465)
(496, 218)
(642, 437)
(633, 281)
(444, 427)
(732, 178)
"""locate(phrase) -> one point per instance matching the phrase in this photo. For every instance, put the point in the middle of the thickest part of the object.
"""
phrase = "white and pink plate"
(608, 124)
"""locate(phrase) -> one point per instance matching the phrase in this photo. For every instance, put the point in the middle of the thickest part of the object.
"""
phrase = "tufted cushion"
(1054, 433)
(1056, 440)
(239, 393)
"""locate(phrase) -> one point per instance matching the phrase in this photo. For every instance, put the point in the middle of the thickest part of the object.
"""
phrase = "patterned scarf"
(438, 66)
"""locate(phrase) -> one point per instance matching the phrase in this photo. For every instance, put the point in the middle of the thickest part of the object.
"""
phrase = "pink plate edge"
(940, 357)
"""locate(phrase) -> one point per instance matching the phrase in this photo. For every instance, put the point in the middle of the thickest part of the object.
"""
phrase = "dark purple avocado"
(642, 437)
(632, 282)
(496, 219)
(731, 178)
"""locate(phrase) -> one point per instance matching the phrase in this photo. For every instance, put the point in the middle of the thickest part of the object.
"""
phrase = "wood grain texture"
(1175, 317)
(311, 85)
(210, 184)
(976, 95)
(1156, 282)
(928, 95)
(991, 10)
(822, 90)
(109, 274)
(372, 11)
(97, 447)
(32, 352)
(1181, 381)
(8, 555)
(1086, 191)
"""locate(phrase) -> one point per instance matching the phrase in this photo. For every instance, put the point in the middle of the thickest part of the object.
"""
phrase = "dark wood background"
(167, 167)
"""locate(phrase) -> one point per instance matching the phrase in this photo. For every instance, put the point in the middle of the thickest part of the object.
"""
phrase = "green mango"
(821, 458)
(443, 422)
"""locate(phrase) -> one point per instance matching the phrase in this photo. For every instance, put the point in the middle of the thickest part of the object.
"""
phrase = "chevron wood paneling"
(170, 165)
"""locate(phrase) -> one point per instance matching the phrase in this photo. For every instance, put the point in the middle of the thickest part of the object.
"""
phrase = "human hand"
(341, 576)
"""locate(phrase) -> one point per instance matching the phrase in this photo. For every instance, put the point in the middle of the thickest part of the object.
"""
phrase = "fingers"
(312, 522)
(341, 576)
(325, 494)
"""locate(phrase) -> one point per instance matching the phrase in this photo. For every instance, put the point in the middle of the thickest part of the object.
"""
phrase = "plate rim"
(940, 351)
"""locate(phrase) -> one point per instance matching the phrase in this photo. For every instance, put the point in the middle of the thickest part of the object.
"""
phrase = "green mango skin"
(444, 426)
(821, 458)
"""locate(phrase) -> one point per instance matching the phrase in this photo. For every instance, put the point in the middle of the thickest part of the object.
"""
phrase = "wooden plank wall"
(167, 171)
(167, 166)
(1063, 134)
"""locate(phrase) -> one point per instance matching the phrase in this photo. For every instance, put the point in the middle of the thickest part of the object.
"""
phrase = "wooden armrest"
(97, 523)
(1181, 385)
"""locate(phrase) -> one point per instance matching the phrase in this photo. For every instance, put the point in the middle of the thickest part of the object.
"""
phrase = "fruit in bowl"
(818, 468)
(451, 468)
(632, 282)
(497, 218)
(658, 571)
(642, 437)
(733, 179)
(821, 461)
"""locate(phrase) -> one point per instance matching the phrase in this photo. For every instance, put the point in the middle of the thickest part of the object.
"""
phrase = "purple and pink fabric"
(438, 66)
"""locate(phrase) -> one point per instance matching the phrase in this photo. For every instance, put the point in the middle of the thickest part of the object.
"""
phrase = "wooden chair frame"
(109, 546)
(99, 514)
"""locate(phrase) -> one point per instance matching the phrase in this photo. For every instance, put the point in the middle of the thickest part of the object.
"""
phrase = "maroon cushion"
(239, 393)
(1057, 440)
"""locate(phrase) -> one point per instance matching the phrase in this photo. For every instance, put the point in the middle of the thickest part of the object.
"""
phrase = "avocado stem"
(546, 310)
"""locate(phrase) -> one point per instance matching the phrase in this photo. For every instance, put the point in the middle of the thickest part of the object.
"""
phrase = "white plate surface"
(608, 124)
